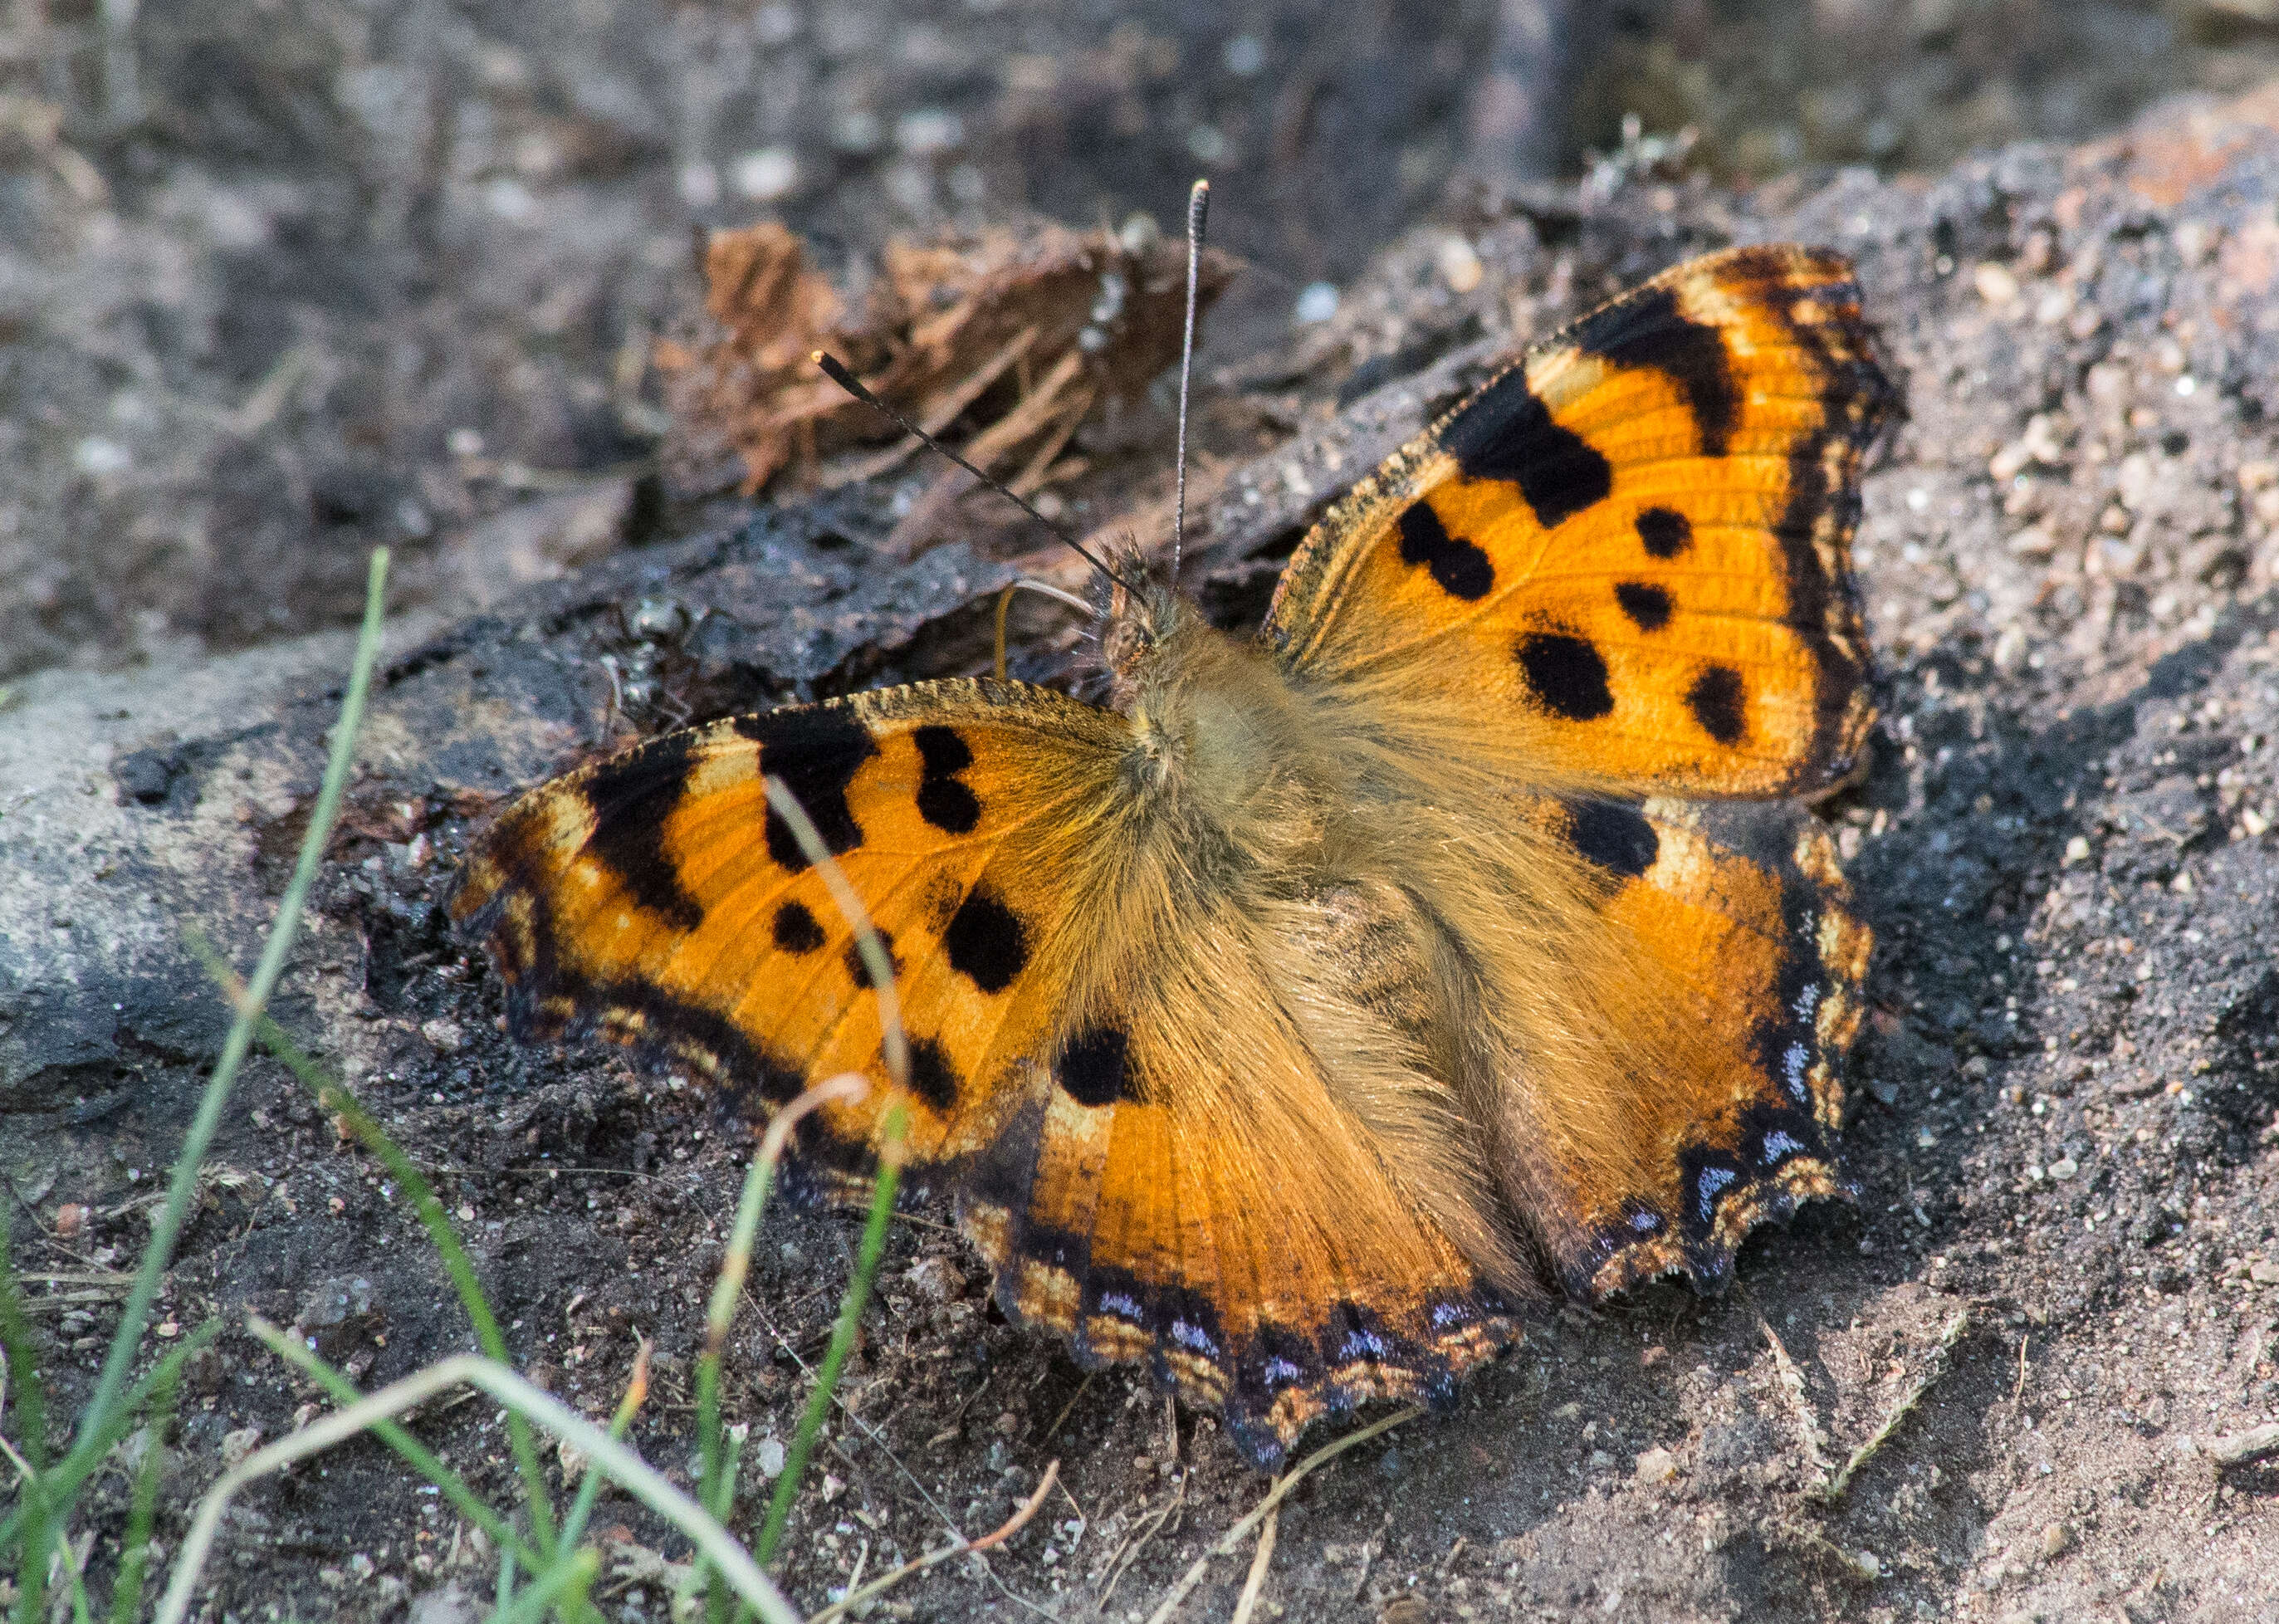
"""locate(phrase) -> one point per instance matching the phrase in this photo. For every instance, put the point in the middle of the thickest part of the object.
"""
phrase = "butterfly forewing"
(1632, 544)
(655, 898)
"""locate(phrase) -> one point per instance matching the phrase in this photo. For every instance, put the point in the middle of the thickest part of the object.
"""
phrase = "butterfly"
(1332, 998)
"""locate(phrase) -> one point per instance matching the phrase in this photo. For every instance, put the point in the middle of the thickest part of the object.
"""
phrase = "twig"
(1121, 1559)
(602, 1453)
(879, 1586)
(1081, 1388)
(2246, 1448)
(1859, 1565)
(2020, 1391)
(1232, 1538)
(1792, 1383)
(1941, 1357)
(1261, 1560)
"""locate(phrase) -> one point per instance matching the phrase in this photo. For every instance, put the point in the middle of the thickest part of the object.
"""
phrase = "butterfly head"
(1141, 617)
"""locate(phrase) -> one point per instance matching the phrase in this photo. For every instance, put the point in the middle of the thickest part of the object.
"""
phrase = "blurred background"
(280, 279)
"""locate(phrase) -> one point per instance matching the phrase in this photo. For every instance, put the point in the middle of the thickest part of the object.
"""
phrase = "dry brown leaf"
(1015, 338)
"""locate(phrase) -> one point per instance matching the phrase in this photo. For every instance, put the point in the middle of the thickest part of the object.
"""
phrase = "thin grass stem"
(717, 1491)
(134, 1552)
(625, 1468)
(65, 1477)
(417, 1455)
(335, 1097)
(566, 1582)
(875, 957)
(30, 1395)
(589, 1487)
(891, 1149)
(182, 1189)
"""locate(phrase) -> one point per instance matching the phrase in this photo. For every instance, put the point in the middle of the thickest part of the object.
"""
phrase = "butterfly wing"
(656, 899)
(1142, 1143)
(1631, 546)
(1737, 916)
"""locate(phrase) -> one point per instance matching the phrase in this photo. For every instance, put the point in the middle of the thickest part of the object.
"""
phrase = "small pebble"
(1655, 1466)
(236, 1445)
(767, 174)
(1995, 283)
(1317, 302)
(1460, 264)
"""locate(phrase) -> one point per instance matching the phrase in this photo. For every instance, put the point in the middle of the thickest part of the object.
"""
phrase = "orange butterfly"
(1296, 1020)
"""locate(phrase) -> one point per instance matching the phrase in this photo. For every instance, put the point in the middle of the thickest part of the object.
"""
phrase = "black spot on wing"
(1460, 569)
(632, 795)
(796, 929)
(1505, 433)
(932, 1079)
(986, 942)
(1665, 531)
(1646, 604)
(1649, 331)
(858, 968)
(1566, 675)
(1093, 1069)
(1615, 835)
(943, 802)
(1719, 702)
(817, 752)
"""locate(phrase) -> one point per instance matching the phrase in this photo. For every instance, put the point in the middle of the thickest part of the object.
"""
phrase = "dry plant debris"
(1021, 335)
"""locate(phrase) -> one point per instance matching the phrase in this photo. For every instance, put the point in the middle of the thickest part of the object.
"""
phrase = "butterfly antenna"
(838, 373)
(1198, 210)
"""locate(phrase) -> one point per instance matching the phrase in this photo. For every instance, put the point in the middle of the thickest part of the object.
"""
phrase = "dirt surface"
(2068, 1144)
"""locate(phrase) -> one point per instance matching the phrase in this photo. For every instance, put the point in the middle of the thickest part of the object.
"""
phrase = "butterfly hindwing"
(1631, 543)
(1187, 1188)
(1738, 912)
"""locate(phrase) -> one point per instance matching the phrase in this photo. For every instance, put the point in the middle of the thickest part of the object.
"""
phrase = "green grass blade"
(589, 1487)
(421, 1459)
(29, 1405)
(27, 1397)
(336, 1099)
(842, 1336)
(134, 1553)
(566, 1582)
(182, 1189)
(717, 1489)
(64, 1479)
